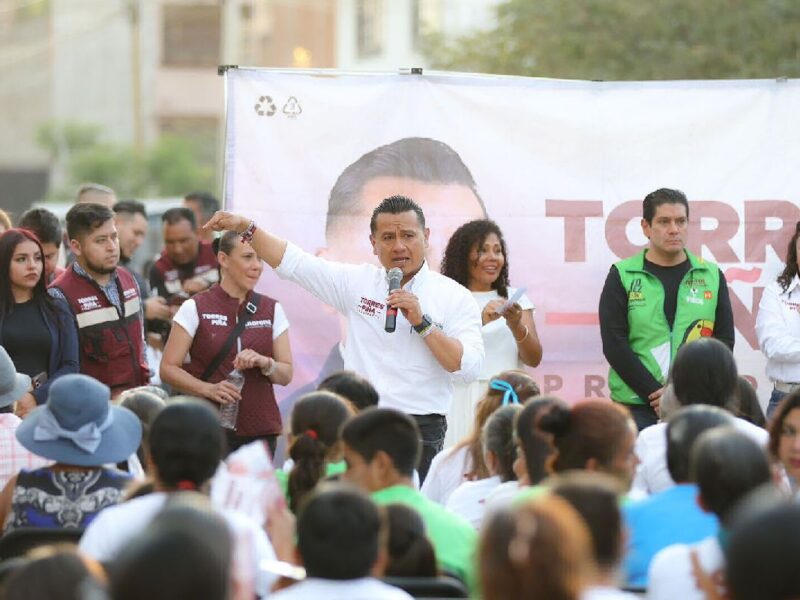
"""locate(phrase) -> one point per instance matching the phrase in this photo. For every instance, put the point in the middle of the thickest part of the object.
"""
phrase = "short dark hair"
(662, 196)
(455, 262)
(85, 217)
(596, 497)
(704, 372)
(339, 533)
(727, 465)
(395, 205)
(316, 420)
(177, 214)
(361, 393)
(44, 224)
(387, 430)
(683, 429)
(535, 446)
(498, 436)
(186, 443)
(419, 159)
(130, 207)
(206, 200)
(787, 405)
(761, 558)
(59, 573)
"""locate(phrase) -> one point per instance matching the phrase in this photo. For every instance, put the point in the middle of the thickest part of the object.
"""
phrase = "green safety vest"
(649, 334)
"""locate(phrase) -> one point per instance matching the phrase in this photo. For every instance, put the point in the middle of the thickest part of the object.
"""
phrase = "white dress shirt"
(400, 366)
(671, 573)
(778, 331)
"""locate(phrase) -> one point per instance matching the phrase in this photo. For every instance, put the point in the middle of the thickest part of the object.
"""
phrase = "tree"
(631, 40)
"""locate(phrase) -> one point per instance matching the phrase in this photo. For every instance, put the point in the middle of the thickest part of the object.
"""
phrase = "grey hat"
(12, 384)
(79, 426)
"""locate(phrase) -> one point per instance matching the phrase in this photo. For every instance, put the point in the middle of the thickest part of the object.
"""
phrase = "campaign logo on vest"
(693, 298)
(369, 308)
(216, 319)
(635, 294)
(89, 303)
(129, 293)
(259, 324)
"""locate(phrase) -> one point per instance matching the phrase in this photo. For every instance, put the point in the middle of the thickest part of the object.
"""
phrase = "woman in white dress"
(476, 257)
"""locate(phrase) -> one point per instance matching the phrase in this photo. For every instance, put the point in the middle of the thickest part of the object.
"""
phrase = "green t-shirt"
(453, 538)
(331, 469)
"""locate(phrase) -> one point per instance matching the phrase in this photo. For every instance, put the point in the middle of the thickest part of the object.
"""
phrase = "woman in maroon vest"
(205, 326)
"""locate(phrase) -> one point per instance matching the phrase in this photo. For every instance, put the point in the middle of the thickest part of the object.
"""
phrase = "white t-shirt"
(446, 473)
(602, 592)
(188, 318)
(670, 573)
(400, 365)
(502, 352)
(366, 588)
(114, 527)
(502, 497)
(469, 499)
(652, 474)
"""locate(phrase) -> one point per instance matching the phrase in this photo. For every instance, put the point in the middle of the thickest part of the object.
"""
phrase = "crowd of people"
(139, 421)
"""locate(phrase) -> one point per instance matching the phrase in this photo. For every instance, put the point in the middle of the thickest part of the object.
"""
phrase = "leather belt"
(787, 387)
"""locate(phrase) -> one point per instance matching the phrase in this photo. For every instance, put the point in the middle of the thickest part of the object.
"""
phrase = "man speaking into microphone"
(435, 337)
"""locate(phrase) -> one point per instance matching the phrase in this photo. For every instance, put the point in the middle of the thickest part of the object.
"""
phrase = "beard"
(100, 268)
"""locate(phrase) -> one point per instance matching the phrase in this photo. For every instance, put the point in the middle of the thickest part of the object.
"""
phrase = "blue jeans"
(774, 400)
(432, 429)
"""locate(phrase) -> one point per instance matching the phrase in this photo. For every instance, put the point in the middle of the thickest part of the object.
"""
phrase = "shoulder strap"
(247, 311)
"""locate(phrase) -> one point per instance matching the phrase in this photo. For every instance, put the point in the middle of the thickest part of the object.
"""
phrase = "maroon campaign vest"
(111, 345)
(217, 313)
(205, 267)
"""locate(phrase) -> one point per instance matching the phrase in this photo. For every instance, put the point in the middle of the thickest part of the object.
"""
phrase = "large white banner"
(562, 166)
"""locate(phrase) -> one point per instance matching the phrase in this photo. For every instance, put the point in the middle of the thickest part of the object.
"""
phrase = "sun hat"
(12, 384)
(79, 426)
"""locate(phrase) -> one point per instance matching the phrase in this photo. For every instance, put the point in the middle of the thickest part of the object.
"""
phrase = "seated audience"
(13, 455)
(352, 386)
(81, 431)
(539, 550)
(784, 438)
(726, 465)
(499, 452)
(410, 551)
(596, 497)
(382, 449)
(592, 435)
(672, 516)
(747, 405)
(761, 556)
(339, 542)
(464, 461)
(186, 447)
(146, 405)
(703, 372)
(183, 554)
(56, 573)
(315, 449)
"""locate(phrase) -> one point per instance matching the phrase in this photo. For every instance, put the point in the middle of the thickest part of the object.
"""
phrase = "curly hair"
(455, 262)
(790, 270)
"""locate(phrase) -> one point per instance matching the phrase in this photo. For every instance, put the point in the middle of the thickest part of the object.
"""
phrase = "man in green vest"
(656, 301)
(381, 450)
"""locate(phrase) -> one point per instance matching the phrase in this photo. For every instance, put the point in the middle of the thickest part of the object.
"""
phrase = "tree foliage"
(170, 167)
(631, 40)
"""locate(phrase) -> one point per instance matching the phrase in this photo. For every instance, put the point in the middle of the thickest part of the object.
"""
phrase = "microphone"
(394, 276)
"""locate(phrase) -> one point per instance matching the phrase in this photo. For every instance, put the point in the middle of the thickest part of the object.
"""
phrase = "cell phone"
(39, 380)
(514, 298)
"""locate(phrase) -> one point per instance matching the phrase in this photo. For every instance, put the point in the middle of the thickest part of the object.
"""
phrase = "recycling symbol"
(292, 108)
(265, 106)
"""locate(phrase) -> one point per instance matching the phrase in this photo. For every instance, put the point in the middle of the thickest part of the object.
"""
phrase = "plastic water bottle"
(230, 411)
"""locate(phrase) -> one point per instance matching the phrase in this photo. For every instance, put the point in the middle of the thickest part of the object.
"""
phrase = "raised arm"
(269, 248)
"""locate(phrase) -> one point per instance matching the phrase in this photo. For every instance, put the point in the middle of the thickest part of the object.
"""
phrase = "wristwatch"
(424, 325)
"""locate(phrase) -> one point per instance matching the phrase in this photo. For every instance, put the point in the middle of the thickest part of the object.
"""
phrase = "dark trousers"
(237, 441)
(432, 429)
(643, 415)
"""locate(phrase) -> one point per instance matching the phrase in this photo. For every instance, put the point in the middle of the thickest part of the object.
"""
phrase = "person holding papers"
(476, 257)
